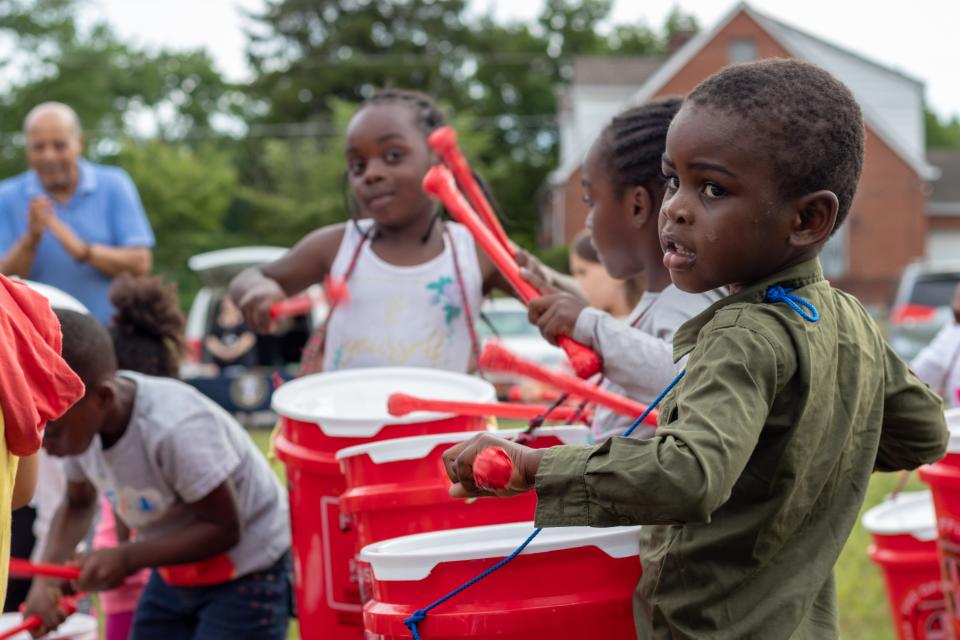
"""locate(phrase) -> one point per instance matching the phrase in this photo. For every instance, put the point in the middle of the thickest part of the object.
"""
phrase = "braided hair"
(428, 118)
(633, 143)
(427, 114)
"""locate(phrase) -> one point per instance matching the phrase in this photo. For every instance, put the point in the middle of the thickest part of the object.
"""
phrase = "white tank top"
(404, 316)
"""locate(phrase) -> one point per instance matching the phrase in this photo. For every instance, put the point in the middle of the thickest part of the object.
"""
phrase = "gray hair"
(65, 112)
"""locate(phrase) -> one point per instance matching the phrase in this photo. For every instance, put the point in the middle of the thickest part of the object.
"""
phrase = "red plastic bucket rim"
(904, 514)
(418, 447)
(353, 403)
(412, 558)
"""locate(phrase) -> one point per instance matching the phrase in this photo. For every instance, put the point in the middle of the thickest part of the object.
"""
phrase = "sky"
(917, 37)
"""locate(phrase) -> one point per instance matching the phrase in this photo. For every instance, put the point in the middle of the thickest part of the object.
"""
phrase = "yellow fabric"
(8, 477)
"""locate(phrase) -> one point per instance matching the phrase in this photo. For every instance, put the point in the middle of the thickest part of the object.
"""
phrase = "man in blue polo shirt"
(67, 222)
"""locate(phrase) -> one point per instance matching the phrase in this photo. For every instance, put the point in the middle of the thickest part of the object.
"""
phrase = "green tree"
(104, 79)
(943, 134)
(306, 53)
(186, 193)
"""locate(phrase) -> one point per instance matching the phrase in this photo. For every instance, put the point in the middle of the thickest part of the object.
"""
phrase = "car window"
(506, 324)
(934, 290)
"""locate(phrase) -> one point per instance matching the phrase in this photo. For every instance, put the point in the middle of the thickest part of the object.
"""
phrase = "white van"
(244, 391)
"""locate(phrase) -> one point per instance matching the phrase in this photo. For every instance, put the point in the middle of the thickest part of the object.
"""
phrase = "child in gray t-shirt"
(623, 186)
(203, 506)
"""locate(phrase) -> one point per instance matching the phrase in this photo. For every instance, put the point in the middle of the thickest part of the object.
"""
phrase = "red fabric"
(36, 385)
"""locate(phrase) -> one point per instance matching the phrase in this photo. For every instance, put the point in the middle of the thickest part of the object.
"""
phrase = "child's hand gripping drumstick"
(444, 142)
(335, 291)
(440, 184)
(67, 605)
(495, 358)
(488, 465)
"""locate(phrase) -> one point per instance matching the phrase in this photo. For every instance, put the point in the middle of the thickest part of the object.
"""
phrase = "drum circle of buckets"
(916, 542)
(376, 535)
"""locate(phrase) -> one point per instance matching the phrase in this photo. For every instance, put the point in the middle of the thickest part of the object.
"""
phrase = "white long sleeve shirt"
(638, 353)
(938, 365)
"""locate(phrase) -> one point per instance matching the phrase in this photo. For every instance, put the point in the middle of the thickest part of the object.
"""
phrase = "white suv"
(922, 305)
(244, 391)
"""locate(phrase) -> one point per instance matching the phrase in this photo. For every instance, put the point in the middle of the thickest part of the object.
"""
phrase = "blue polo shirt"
(105, 209)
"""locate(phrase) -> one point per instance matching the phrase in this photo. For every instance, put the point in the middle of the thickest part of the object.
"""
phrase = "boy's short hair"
(805, 120)
(87, 347)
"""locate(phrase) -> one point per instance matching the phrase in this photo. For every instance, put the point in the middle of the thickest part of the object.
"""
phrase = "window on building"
(742, 50)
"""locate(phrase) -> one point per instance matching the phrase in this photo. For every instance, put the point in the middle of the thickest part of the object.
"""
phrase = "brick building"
(887, 227)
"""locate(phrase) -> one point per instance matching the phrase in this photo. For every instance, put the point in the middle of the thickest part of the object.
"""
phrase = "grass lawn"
(864, 614)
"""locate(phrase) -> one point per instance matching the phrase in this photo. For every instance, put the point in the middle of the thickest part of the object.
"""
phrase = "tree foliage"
(942, 134)
(313, 61)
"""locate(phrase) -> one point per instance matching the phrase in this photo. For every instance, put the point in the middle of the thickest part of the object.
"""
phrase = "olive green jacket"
(760, 464)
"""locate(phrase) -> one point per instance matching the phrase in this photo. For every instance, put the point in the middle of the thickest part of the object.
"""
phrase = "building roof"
(944, 199)
(845, 64)
(614, 71)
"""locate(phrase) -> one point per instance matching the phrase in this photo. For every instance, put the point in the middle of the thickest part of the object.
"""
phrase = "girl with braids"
(623, 186)
(415, 282)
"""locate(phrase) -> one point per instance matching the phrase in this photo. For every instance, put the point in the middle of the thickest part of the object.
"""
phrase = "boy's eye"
(673, 183)
(713, 191)
(393, 156)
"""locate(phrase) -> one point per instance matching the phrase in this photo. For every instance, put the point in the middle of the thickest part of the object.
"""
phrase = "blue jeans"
(254, 607)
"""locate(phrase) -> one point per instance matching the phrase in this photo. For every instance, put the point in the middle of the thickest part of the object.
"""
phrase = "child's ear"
(639, 200)
(814, 218)
(106, 393)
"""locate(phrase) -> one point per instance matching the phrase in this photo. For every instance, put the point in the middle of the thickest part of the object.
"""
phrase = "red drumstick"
(400, 404)
(496, 358)
(22, 567)
(295, 306)
(444, 142)
(492, 468)
(439, 183)
(515, 394)
(334, 289)
(68, 605)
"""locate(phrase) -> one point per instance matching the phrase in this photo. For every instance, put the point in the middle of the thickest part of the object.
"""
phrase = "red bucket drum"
(944, 480)
(321, 414)
(399, 487)
(570, 583)
(904, 531)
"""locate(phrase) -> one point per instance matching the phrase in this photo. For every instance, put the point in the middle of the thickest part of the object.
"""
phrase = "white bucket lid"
(906, 513)
(78, 626)
(414, 557)
(417, 447)
(953, 425)
(353, 403)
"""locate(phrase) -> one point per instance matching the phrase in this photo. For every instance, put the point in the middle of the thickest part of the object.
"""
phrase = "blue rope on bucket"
(775, 294)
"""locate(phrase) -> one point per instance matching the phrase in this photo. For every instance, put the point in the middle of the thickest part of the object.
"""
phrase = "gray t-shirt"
(178, 447)
(638, 353)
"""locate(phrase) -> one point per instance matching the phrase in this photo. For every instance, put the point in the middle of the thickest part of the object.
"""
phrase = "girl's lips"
(379, 200)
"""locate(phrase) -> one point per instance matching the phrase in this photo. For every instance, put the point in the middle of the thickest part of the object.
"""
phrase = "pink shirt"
(125, 597)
